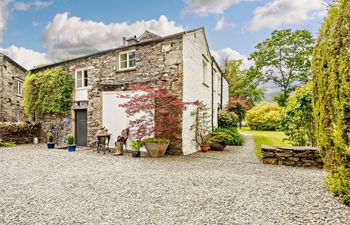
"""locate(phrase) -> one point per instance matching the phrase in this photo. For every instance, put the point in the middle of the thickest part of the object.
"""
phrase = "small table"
(103, 142)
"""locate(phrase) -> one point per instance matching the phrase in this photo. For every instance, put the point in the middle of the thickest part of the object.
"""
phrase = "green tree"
(284, 58)
(265, 116)
(297, 121)
(243, 83)
(331, 101)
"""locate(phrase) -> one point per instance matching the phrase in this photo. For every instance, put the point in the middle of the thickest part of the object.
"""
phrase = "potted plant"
(70, 142)
(50, 143)
(218, 140)
(156, 147)
(135, 148)
(156, 113)
(201, 126)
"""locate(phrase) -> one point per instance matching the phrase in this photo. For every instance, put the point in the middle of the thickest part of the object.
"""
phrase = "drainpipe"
(221, 91)
(212, 93)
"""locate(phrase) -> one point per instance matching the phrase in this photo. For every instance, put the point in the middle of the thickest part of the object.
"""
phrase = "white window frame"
(128, 67)
(205, 67)
(19, 88)
(82, 70)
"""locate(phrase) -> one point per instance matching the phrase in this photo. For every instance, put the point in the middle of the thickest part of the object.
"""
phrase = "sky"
(34, 32)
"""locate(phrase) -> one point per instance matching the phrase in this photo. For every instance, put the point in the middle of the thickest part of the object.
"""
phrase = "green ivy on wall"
(48, 91)
(331, 101)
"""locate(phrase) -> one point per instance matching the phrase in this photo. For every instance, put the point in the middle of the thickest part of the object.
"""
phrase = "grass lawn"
(272, 138)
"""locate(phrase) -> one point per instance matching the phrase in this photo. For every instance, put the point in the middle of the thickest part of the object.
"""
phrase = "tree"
(243, 83)
(331, 101)
(265, 116)
(239, 106)
(285, 59)
(297, 121)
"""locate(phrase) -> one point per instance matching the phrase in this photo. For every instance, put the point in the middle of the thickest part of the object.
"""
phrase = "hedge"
(331, 101)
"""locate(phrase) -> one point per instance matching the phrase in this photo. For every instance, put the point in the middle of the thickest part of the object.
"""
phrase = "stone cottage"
(11, 81)
(148, 59)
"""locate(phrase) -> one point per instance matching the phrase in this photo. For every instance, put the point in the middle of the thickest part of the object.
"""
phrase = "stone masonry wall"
(10, 102)
(155, 61)
(292, 156)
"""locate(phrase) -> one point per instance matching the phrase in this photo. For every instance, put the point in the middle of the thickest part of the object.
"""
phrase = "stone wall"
(19, 133)
(155, 61)
(292, 156)
(10, 102)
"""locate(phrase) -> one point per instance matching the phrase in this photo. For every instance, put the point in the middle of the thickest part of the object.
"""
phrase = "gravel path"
(38, 186)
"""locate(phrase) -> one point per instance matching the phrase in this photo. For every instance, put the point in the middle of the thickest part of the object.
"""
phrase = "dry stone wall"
(19, 133)
(292, 156)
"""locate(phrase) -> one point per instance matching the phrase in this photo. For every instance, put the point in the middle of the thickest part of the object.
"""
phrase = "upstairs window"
(205, 72)
(127, 60)
(81, 78)
(19, 88)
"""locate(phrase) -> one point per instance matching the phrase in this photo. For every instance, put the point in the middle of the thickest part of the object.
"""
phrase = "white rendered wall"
(194, 47)
(226, 98)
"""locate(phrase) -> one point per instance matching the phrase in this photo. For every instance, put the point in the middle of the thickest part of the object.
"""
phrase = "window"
(219, 84)
(19, 88)
(205, 72)
(127, 60)
(81, 78)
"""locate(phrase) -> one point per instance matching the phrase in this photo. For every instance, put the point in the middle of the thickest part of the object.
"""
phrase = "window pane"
(132, 62)
(123, 64)
(132, 55)
(85, 78)
(79, 79)
(123, 57)
(205, 71)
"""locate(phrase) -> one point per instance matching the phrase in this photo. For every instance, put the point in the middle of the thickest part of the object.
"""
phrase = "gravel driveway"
(38, 186)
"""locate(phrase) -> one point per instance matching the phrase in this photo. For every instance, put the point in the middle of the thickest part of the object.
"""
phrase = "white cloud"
(283, 12)
(25, 6)
(205, 7)
(67, 37)
(222, 23)
(229, 53)
(35, 23)
(26, 57)
(3, 16)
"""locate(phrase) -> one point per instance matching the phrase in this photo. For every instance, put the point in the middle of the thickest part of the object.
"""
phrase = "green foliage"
(297, 121)
(237, 139)
(49, 137)
(70, 139)
(221, 138)
(18, 127)
(243, 83)
(7, 144)
(49, 91)
(156, 140)
(331, 101)
(265, 116)
(239, 106)
(285, 59)
(136, 145)
(227, 119)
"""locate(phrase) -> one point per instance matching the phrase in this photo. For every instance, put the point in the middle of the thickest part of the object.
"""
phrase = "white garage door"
(114, 117)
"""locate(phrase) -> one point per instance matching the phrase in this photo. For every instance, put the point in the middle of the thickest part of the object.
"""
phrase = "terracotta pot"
(156, 150)
(204, 148)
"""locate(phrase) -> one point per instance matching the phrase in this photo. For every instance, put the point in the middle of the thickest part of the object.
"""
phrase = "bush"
(237, 139)
(70, 139)
(331, 101)
(227, 119)
(136, 145)
(265, 116)
(7, 144)
(49, 137)
(219, 140)
(297, 121)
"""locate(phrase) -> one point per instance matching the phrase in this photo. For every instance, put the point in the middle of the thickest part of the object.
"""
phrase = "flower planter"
(156, 149)
(50, 145)
(204, 148)
(72, 148)
(136, 154)
(217, 146)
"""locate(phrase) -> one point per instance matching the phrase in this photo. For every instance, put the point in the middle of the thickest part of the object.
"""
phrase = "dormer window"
(127, 60)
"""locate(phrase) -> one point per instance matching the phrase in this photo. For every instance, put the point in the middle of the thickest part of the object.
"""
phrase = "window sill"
(206, 85)
(18, 95)
(125, 70)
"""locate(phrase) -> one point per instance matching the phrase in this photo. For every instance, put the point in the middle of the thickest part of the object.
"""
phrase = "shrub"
(219, 140)
(297, 121)
(227, 119)
(49, 137)
(237, 139)
(70, 139)
(331, 101)
(136, 145)
(265, 116)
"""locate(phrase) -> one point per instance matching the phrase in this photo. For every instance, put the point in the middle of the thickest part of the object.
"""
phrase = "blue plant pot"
(50, 145)
(71, 148)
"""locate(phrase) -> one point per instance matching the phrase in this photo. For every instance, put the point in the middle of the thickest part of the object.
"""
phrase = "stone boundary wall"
(292, 156)
(19, 133)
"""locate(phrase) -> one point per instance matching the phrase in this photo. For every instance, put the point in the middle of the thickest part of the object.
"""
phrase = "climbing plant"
(331, 101)
(48, 91)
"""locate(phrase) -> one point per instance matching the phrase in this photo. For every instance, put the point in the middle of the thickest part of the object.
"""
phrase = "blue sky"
(42, 31)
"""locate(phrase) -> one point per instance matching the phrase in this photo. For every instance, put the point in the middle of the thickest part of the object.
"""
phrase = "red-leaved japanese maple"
(156, 111)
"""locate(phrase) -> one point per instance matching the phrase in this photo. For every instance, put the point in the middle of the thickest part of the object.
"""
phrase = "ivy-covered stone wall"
(19, 132)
